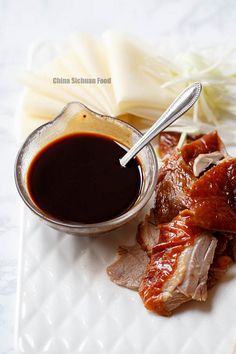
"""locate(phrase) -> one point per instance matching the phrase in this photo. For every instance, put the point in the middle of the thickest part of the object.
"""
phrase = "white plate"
(67, 304)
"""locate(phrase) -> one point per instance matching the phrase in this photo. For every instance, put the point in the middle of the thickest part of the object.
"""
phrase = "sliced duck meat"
(212, 198)
(206, 144)
(148, 232)
(179, 265)
(176, 175)
(174, 178)
(187, 242)
(204, 161)
(130, 267)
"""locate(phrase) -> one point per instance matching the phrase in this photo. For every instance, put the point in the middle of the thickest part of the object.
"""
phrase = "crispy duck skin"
(176, 176)
(188, 241)
(212, 198)
(178, 267)
(167, 142)
(204, 145)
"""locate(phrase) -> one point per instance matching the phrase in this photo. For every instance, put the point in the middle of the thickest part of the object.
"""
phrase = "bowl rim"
(123, 218)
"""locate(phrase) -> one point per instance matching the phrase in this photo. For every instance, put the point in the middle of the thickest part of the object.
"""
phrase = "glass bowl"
(76, 118)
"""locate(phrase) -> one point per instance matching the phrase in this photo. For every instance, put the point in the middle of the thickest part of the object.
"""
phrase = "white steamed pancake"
(143, 83)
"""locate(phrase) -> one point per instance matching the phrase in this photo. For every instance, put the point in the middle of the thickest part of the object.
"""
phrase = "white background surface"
(179, 23)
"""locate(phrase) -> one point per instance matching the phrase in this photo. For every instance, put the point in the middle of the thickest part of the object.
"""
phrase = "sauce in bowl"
(78, 178)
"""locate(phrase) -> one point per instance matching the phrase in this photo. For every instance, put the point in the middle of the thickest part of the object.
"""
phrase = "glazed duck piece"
(199, 178)
(213, 198)
(188, 241)
(177, 177)
(208, 143)
(167, 142)
(132, 261)
(148, 233)
(174, 178)
(179, 265)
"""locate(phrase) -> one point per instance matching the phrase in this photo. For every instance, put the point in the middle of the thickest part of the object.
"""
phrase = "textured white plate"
(67, 304)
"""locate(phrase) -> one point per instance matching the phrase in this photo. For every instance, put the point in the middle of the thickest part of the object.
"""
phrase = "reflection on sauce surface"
(78, 178)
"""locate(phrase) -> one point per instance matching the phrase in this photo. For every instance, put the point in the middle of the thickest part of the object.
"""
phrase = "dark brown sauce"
(78, 178)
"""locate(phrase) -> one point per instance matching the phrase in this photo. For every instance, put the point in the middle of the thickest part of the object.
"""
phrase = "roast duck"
(188, 240)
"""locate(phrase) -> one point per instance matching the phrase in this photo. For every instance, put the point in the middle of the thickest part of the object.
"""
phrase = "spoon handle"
(180, 106)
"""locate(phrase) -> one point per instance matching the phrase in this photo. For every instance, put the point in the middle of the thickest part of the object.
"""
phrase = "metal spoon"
(180, 106)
